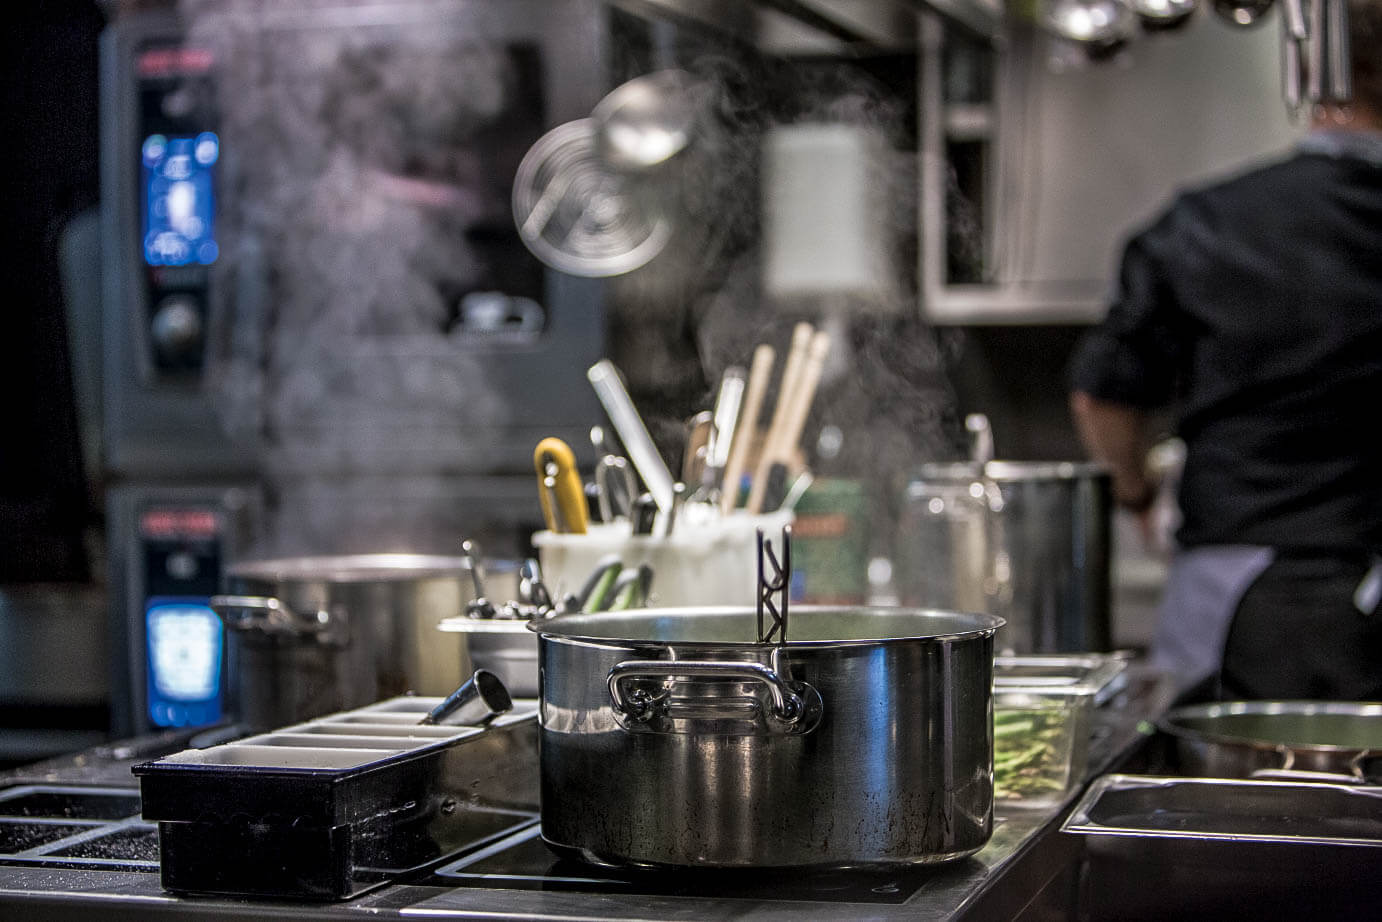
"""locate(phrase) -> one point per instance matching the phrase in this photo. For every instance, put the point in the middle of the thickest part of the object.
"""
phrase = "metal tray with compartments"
(332, 807)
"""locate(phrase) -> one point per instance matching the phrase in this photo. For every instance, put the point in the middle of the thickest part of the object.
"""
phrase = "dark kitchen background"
(353, 428)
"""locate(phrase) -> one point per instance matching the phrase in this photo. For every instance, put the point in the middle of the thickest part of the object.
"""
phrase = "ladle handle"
(980, 438)
(1337, 41)
(1293, 19)
(1315, 58)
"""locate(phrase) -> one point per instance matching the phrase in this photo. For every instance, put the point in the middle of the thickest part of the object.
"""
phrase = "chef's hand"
(1116, 435)
(1143, 506)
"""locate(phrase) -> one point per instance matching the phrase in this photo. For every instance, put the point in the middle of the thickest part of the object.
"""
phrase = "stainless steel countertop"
(1027, 851)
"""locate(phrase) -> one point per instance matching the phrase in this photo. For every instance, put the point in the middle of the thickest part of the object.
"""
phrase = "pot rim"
(349, 568)
(1010, 471)
(569, 627)
(464, 624)
(1302, 708)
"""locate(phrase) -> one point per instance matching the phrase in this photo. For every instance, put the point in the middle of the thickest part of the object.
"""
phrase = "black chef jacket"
(1255, 307)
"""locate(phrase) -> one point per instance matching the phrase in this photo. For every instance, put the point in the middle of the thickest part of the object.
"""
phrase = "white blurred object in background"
(825, 230)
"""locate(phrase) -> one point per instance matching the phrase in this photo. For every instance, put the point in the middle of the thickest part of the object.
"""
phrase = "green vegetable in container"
(1031, 752)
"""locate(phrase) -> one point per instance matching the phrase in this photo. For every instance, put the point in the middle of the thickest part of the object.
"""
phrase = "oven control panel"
(179, 151)
(180, 547)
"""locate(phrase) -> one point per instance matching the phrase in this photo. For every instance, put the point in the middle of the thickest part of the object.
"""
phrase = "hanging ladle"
(1163, 15)
(579, 200)
(1093, 23)
(1242, 12)
(646, 121)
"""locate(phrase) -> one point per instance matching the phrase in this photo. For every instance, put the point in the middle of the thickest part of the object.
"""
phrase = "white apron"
(1203, 589)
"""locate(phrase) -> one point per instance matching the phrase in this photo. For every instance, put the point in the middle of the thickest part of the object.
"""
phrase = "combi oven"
(321, 332)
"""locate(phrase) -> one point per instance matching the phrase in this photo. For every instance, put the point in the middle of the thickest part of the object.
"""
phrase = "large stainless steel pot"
(670, 738)
(1028, 541)
(324, 634)
(1241, 739)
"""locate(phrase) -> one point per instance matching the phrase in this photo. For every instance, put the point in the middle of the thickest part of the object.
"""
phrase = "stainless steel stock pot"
(1030, 542)
(324, 634)
(671, 738)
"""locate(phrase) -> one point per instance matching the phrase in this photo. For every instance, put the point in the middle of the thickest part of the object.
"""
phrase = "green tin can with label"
(830, 544)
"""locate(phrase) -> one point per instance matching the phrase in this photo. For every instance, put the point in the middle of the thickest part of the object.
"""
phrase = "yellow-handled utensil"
(559, 487)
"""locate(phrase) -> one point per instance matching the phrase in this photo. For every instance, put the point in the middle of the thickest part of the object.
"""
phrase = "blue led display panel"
(179, 199)
(185, 639)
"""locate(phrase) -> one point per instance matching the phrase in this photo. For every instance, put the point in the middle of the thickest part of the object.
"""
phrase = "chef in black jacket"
(1254, 308)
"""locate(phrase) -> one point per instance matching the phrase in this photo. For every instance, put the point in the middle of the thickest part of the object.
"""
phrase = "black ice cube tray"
(330, 808)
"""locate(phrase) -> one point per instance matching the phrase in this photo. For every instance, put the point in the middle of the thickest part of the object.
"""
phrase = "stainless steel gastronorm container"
(669, 738)
(1159, 848)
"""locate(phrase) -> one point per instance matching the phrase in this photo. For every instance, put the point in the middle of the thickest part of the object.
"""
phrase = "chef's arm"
(1118, 436)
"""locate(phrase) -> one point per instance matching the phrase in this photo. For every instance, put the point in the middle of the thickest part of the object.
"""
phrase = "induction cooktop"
(78, 826)
(522, 861)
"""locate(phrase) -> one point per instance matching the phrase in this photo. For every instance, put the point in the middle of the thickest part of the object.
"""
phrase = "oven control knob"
(177, 327)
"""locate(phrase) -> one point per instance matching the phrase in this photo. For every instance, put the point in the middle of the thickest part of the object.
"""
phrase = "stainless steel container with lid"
(323, 634)
(1027, 541)
(670, 738)
(1160, 847)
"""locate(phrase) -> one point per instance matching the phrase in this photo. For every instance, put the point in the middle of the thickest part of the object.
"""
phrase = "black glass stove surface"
(75, 826)
(523, 862)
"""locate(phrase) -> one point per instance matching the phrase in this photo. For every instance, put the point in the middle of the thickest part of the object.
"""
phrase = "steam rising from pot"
(368, 179)
(366, 222)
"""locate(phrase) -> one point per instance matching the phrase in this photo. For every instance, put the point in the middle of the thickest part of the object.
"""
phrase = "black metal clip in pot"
(774, 579)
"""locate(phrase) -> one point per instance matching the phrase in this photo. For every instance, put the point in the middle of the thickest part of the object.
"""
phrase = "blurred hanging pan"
(578, 214)
(589, 197)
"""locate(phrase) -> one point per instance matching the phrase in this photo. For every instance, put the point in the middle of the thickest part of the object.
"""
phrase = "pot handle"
(1358, 770)
(254, 612)
(794, 707)
(1301, 774)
